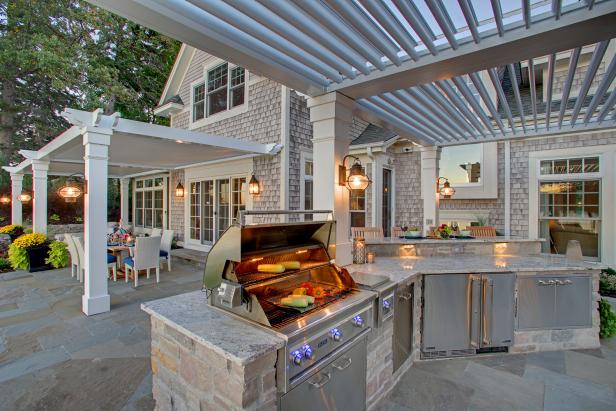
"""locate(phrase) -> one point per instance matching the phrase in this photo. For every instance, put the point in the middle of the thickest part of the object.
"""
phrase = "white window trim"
(487, 188)
(304, 157)
(141, 229)
(607, 174)
(223, 115)
(228, 169)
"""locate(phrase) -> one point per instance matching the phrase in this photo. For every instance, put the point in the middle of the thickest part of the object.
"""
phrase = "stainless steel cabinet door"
(498, 302)
(573, 301)
(403, 325)
(536, 302)
(339, 386)
(446, 321)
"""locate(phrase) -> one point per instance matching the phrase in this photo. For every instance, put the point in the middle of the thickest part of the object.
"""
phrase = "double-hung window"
(149, 202)
(224, 88)
(570, 204)
(307, 186)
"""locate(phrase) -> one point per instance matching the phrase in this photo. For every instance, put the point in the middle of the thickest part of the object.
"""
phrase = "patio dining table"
(116, 250)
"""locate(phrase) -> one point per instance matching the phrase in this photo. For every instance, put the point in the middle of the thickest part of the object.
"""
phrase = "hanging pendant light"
(25, 197)
(72, 189)
(5, 199)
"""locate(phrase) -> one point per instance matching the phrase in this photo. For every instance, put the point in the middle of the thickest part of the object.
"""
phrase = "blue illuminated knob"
(296, 357)
(386, 304)
(307, 349)
(336, 334)
(358, 321)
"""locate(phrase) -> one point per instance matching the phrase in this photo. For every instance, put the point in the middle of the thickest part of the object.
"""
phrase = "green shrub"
(5, 264)
(18, 258)
(58, 255)
(54, 218)
(607, 282)
(28, 231)
(608, 319)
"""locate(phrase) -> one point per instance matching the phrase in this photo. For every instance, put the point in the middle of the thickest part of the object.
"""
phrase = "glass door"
(223, 209)
(207, 213)
(386, 210)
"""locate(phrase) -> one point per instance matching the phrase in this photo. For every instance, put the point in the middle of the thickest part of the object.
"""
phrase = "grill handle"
(244, 213)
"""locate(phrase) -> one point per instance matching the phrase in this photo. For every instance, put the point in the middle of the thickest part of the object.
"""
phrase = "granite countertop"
(231, 337)
(400, 269)
(499, 239)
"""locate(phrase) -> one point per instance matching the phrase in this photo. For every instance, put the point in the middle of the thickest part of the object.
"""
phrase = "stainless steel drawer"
(338, 385)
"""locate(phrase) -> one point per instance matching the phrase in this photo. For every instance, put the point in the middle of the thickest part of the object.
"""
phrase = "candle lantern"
(359, 250)
(370, 257)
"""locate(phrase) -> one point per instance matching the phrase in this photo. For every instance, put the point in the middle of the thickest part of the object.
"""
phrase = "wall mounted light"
(5, 199)
(73, 188)
(253, 186)
(357, 178)
(25, 197)
(446, 190)
(179, 190)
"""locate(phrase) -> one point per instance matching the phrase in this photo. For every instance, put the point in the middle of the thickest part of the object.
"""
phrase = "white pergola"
(108, 146)
(404, 65)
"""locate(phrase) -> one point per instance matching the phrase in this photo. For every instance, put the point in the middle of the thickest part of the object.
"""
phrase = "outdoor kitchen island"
(205, 357)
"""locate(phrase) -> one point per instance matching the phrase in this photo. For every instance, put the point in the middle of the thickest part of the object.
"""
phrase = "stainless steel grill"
(315, 334)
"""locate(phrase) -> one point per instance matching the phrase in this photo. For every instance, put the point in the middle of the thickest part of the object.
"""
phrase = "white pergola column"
(96, 297)
(331, 117)
(39, 196)
(17, 186)
(124, 206)
(430, 157)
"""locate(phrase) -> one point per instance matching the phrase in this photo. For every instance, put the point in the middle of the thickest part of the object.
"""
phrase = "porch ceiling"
(137, 147)
(405, 63)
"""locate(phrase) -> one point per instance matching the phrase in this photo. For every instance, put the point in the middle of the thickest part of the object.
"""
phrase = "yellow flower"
(30, 240)
(7, 229)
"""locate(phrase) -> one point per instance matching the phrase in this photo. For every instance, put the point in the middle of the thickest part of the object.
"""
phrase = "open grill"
(232, 267)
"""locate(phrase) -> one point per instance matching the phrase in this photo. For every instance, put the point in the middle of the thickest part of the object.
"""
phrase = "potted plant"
(58, 256)
(29, 252)
(444, 231)
(13, 231)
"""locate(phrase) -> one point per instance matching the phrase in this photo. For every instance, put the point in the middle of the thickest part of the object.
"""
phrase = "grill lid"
(240, 241)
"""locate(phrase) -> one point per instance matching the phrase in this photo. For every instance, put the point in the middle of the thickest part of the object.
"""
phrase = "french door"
(214, 205)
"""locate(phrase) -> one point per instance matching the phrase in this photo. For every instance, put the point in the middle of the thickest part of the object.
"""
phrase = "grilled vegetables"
(299, 291)
(318, 292)
(270, 268)
(290, 265)
(294, 302)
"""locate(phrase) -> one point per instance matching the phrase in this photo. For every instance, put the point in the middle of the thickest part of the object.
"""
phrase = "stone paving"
(52, 357)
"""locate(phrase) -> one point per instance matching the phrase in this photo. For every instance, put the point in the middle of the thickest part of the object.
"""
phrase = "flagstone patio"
(54, 357)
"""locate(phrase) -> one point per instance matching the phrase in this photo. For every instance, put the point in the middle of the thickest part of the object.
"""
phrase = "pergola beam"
(483, 93)
(606, 81)
(501, 97)
(416, 21)
(595, 61)
(533, 90)
(550, 88)
(516, 92)
(471, 19)
(545, 36)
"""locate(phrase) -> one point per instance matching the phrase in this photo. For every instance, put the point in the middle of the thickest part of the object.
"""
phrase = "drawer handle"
(541, 282)
(341, 367)
(568, 282)
(322, 382)
(405, 296)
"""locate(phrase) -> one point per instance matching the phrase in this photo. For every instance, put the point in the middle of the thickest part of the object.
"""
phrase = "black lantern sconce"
(357, 178)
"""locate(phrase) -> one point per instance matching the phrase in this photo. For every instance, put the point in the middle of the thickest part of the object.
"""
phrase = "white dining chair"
(75, 262)
(156, 232)
(146, 255)
(165, 247)
(80, 254)
(112, 260)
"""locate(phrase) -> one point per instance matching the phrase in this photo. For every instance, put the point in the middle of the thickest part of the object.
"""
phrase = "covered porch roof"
(408, 66)
(136, 147)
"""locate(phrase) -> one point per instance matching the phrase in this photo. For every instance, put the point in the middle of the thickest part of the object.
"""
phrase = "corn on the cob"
(270, 268)
(290, 265)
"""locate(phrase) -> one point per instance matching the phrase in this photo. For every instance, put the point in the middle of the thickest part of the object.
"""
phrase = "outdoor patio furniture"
(165, 247)
(72, 250)
(482, 231)
(366, 232)
(146, 256)
(81, 255)
(112, 262)
(156, 232)
(397, 232)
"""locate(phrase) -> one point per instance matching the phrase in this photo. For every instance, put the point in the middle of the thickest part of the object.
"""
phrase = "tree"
(61, 53)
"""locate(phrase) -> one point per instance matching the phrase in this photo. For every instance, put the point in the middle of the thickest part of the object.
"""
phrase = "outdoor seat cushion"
(111, 258)
(163, 253)
(129, 261)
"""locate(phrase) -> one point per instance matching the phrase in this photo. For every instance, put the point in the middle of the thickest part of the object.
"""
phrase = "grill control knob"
(386, 304)
(296, 357)
(336, 334)
(358, 321)
(307, 349)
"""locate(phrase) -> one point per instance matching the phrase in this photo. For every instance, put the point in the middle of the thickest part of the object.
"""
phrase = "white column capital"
(331, 106)
(100, 137)
(17, 178)
(40, 166)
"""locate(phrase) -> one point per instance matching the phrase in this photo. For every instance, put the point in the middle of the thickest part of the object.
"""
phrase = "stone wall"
(187, 375)
(379, 364)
